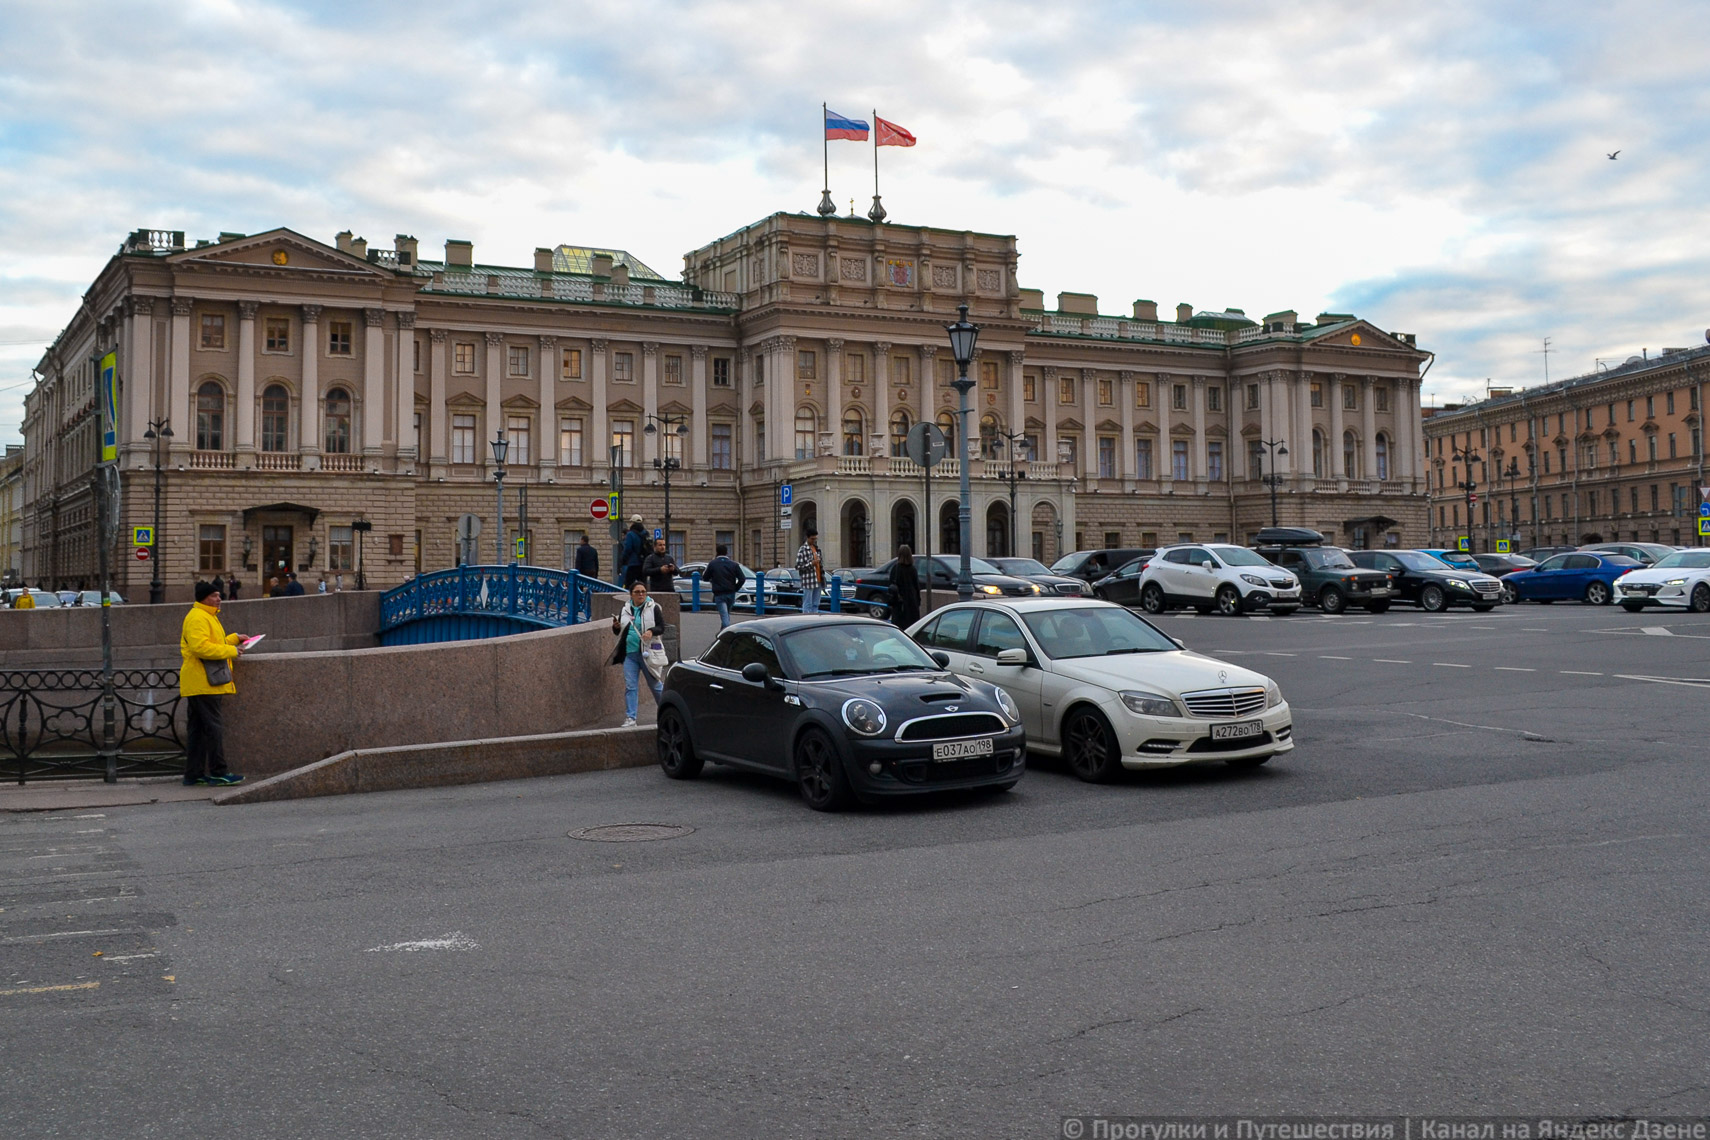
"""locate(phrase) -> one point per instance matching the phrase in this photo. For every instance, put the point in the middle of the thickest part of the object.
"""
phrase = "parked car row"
(50, 599)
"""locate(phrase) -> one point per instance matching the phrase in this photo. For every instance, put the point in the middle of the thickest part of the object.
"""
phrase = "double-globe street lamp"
(501, 448)
(963, 337)
(1014, 443)
(1272, 448)
(1468, 457)
(667, 463)
(159, 431)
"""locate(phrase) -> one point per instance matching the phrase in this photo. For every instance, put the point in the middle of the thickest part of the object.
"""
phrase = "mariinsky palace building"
(309, 387)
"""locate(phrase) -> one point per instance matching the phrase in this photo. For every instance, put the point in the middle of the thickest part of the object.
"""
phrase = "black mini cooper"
(846, 707)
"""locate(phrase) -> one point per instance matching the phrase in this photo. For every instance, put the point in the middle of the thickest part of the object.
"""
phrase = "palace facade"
(310, 389)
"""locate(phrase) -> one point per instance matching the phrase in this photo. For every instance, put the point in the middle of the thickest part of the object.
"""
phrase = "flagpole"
(877, 213)
(826, 206)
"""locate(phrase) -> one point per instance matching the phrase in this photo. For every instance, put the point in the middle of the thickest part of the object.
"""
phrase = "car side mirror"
(941, 657)
(1208, 564)
(755, 674)
(1180, 644)
(1012, 657)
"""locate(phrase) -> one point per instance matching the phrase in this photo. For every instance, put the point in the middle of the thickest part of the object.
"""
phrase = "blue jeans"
(810, 600)
(633, 672)
(722, 603)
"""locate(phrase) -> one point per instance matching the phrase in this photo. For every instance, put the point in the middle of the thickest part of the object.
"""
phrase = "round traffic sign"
(142, 554)
(599, 509)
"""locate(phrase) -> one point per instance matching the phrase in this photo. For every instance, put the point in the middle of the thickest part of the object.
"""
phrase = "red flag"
(889, 134)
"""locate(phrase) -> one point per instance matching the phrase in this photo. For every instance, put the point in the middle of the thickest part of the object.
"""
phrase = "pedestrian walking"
(811, 568)
(321, 587)
(660, 570)
(633, 552)
(235, 586)
(724, 577)
(293, 588)
(636, 627)
(587, 558)
(204, 679)
(274, 588)
(905, 589)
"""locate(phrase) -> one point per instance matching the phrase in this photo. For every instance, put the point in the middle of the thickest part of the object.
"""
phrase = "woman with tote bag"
(639, 628)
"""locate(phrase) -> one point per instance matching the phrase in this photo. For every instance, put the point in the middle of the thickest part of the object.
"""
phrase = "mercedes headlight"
(864, 717)
(1460, 583)
(988, 589)
(1007, 704)
(1254, 579)
(1273, 695)
(1149, 704)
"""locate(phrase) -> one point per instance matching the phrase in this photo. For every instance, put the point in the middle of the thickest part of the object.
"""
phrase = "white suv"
(1216, 575)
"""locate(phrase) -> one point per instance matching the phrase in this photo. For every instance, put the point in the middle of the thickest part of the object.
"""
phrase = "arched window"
(338, 421)
(1318, 450)
(989, 438)
(854, 433)
(1383, 457)
(275, 418)
(900, 423)
(1350, 455)
(210, 417)
(947, 425)
(807, 433)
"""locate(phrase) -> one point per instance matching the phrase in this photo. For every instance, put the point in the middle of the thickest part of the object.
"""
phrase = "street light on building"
(1271, 449)
(963, 337)
(667, 463)
(1468, 457)
(501, 448)
(159, 431)
(1012, 442)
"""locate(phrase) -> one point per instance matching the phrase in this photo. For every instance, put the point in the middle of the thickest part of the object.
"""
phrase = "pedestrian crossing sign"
(1463, 543)
(1704, 528)
(1503, 546)
(142, 536)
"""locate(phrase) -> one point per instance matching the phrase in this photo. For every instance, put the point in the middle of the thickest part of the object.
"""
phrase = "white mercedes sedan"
(1105, 689)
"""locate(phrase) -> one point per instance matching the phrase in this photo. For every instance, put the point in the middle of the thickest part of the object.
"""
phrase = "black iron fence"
(53, 724)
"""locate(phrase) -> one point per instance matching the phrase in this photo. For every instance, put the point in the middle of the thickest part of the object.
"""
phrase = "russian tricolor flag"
(839, 127)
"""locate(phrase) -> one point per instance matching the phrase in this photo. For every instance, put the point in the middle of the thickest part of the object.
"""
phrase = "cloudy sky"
(1439, 168)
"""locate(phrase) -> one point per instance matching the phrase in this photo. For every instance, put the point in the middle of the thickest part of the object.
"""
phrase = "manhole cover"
(631, 832)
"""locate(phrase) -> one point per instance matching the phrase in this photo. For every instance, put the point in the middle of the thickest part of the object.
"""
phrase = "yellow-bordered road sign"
(142, 536)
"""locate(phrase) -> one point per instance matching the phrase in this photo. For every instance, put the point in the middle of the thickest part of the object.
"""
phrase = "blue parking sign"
(658, 533)
(785, 494)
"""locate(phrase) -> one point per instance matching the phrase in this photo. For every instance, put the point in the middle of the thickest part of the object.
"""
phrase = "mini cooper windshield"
(850, 650)
(1094, 631)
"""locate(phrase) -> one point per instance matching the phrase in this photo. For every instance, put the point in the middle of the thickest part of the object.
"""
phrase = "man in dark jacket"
(634, 552)
(660, 570)
(724, 577)
(587, 559)
(293, 588)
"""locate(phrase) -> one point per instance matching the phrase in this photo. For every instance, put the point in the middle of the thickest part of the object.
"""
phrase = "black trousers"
(205, 748)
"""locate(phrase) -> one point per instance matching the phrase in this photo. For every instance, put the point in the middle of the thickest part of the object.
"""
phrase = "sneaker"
(228, 778)
(628, 722)
(198, 782)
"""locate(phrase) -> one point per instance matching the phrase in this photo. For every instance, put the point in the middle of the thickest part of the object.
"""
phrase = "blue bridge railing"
(471, 602)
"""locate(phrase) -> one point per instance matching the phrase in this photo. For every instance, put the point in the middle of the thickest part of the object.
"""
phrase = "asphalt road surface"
(1480, 885)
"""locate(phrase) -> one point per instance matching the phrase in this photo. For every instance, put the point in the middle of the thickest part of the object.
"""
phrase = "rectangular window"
(338, 338)
(1655, 505)
(1029, 388)
(855, 369)
(1214, 461)
(211, 549)
(1380, 393)
(213, 330)
(1178, 460)
(1612, 413)
(1252, 397)
(417, 436)
(807, 364)
(1633, 498)
(674, 445)
(517, 357)
(1651, 444)
(1065, 389)
(572, 539)
(623, 438)
(1214, 399)
(1106, 394)
(673, 369)
(722, 435)
(1142, 394)
(899, 369)
(721, 372)
(1632, 451)
(677, 546)
(278, 337)
(1349, 400)
(623, 367)
(462, 439)
(341, 548)
(417, 346)
(1256, 461)
(1317, 395)
(1668, 402)
(989, 375)
(463, 358)
(570, 441)
(1671, 445)
(1629, 411)
(1143, 459)
(1614, 454)
(1549, 509)
(1178, 397)
(1112, 539)
(1513, 432)
(1106, 457)
(759, 371)
(1650, 411)
(1546, 463)
(521, 453)
(570, 364)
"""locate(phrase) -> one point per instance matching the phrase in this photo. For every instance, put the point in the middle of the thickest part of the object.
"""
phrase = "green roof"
(580, 259)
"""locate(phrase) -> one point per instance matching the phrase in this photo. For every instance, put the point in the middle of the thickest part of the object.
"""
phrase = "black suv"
(1430, 583)
(875, 585)
(1328, 577)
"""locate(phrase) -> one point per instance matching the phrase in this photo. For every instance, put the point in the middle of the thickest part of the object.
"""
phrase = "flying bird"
(1612, 155)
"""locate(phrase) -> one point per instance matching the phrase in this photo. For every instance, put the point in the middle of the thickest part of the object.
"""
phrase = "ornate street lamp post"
(1272, 449)
(501, 448)
(673, 425)
(1012, 476)
(1469, 484)
(963, 337)
(159, 431)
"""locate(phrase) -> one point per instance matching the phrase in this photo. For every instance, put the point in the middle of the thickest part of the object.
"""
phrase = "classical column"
(495, 398)
(1048, 446)
(1089, 421)
(246, 384)
(1276, 399)
(1300, 392)
(599, 443)
(1415, 432)
(1334, 395)
(1201, 470)
(1125, 450)
(1368, 419)
(924, 387)
(309, 423)
(139, 378)
(178, 408)
(882, 399)
(373, 381)
(1163, 454)
(404, 392)
(1016, 413)
(650, 449)
(437, 438)
(547, 453)
(748, 447)
(782, 382)
(834, 395)
(699, 431)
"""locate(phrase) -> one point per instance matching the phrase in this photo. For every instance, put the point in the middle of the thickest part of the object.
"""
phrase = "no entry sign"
(599, 509)
(142, 554)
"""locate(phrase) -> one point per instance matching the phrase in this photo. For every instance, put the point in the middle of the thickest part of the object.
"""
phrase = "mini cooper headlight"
(1273, 695)
(1254, 579)
(864, 717)
(1149, 704)
(1007, 704)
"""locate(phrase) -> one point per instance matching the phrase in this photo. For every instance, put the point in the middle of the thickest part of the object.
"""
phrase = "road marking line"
(1659, 631)
(61, 934)
(1689, 682)
(52, 989)
(1514, 669)
(1533, 629)
(130, 957)
(1481, 627)
(1390, 661)
(1327, 657)
(456, 940)
(1450, 665)
(1268, 653)
(1578, 673)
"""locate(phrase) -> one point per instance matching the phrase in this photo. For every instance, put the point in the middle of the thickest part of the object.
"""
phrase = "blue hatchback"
(1583, 574)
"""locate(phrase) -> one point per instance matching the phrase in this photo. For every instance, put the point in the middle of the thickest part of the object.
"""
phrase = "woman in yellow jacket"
(204, 676)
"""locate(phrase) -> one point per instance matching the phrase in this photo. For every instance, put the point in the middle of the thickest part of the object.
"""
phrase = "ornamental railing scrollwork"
(52, 724)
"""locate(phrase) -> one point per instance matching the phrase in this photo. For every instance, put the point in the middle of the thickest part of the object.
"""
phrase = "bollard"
(695, 592)
(837, 595)
(760, 593)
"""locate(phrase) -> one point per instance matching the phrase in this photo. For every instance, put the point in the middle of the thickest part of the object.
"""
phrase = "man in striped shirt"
(811, 569)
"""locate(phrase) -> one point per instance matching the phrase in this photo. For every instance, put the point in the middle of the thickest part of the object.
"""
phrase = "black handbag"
(219, 671)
